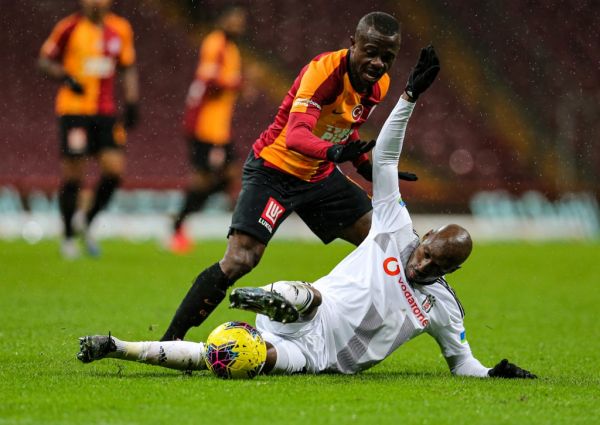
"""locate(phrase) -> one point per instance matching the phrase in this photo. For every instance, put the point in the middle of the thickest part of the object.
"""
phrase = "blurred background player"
(84, 52)
(209, 108)
(293, 164)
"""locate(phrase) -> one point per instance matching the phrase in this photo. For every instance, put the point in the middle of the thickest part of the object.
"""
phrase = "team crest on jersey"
(428, 303)
(273, 210)
(113, 46)
(357, 112)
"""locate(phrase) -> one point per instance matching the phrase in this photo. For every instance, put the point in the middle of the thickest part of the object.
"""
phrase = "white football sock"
(296, 292)
(181, 355)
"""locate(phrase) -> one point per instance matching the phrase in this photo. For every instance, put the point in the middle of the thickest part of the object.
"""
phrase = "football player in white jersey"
(386, 292)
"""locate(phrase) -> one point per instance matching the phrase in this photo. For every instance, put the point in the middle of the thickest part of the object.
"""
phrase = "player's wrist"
(334, 152)
(407, 97)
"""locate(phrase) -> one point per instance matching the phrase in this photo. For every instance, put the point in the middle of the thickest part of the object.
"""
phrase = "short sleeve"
(54, 46)
(127, 56)
(211, 50)
(320, 84)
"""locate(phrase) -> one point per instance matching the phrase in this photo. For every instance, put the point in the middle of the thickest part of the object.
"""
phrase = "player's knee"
(317, 300)
(239, 261)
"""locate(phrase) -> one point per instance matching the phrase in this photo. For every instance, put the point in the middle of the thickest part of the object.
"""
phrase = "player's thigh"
(336, 208)
(111, 161)
(72, 167)
(200, 180)
(263, 203)
(107, 143)
(259, 211)
(208, 157)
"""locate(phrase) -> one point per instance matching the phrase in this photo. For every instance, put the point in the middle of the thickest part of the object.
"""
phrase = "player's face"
(428, 262)
(234, 23)
(372, 54)
(95, 9)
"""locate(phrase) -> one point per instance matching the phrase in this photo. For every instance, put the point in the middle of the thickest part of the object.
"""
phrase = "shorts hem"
(249, 231)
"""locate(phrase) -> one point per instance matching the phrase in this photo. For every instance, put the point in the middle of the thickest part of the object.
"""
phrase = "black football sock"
(106, 187)
(204, 296)
(67, 202)
(194, 200)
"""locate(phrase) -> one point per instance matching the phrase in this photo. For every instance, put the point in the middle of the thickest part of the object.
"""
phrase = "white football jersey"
(369, 309)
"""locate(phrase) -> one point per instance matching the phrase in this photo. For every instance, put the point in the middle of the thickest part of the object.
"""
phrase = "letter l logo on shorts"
(272, 211)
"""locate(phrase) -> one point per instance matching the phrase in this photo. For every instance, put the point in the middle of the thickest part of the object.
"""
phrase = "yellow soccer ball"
(235, 350)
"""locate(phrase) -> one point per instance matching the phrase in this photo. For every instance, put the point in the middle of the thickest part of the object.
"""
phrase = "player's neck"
(96, 19)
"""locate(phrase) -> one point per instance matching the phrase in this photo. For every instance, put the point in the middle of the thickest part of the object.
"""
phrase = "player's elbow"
(43, 64)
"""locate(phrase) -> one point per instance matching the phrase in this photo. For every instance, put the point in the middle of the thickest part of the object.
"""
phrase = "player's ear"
(352, 41)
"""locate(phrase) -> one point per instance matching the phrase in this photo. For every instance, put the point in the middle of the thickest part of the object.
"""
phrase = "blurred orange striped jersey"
(214, 91)
(90, 53)
(323, 101)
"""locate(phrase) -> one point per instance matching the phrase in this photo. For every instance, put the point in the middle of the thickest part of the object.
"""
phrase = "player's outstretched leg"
(180, 355)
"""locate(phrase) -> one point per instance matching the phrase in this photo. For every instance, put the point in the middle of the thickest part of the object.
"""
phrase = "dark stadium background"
(516, 107)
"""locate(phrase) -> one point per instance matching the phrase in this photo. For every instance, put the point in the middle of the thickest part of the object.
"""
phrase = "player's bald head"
(441, 251)
(381, 22)
(454, 243)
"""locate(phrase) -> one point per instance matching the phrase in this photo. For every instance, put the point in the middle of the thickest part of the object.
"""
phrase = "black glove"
(424, 72)
(504, 369)
(365, 169)
(131, 115)
(349, 151)
(73, 84)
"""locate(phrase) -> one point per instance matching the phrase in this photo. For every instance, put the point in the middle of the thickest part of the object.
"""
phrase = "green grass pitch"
(536, 304)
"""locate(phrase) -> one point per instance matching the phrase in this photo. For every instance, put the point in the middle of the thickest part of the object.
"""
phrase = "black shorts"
(208, 157)
(89, 134)
(269, 196)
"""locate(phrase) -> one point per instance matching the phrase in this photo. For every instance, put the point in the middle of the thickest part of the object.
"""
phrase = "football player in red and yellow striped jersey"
(84, 51)
(292, 165)
(209, 109)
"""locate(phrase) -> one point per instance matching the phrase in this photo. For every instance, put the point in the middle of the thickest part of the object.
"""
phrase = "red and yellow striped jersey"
(90, 53)
(214, 91)
(321, 108)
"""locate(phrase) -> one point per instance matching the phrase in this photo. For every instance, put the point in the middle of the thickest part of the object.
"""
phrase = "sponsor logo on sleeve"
(300, 101)
(271, 214)
(463, 337)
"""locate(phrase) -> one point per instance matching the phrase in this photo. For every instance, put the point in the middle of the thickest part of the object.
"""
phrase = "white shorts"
(301, 346)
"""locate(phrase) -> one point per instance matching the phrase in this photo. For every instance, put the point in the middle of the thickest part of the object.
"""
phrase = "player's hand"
(505, 369)
(131, 115)
(365, 169)
(349, 151)
(424, 72)
(73, 84)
